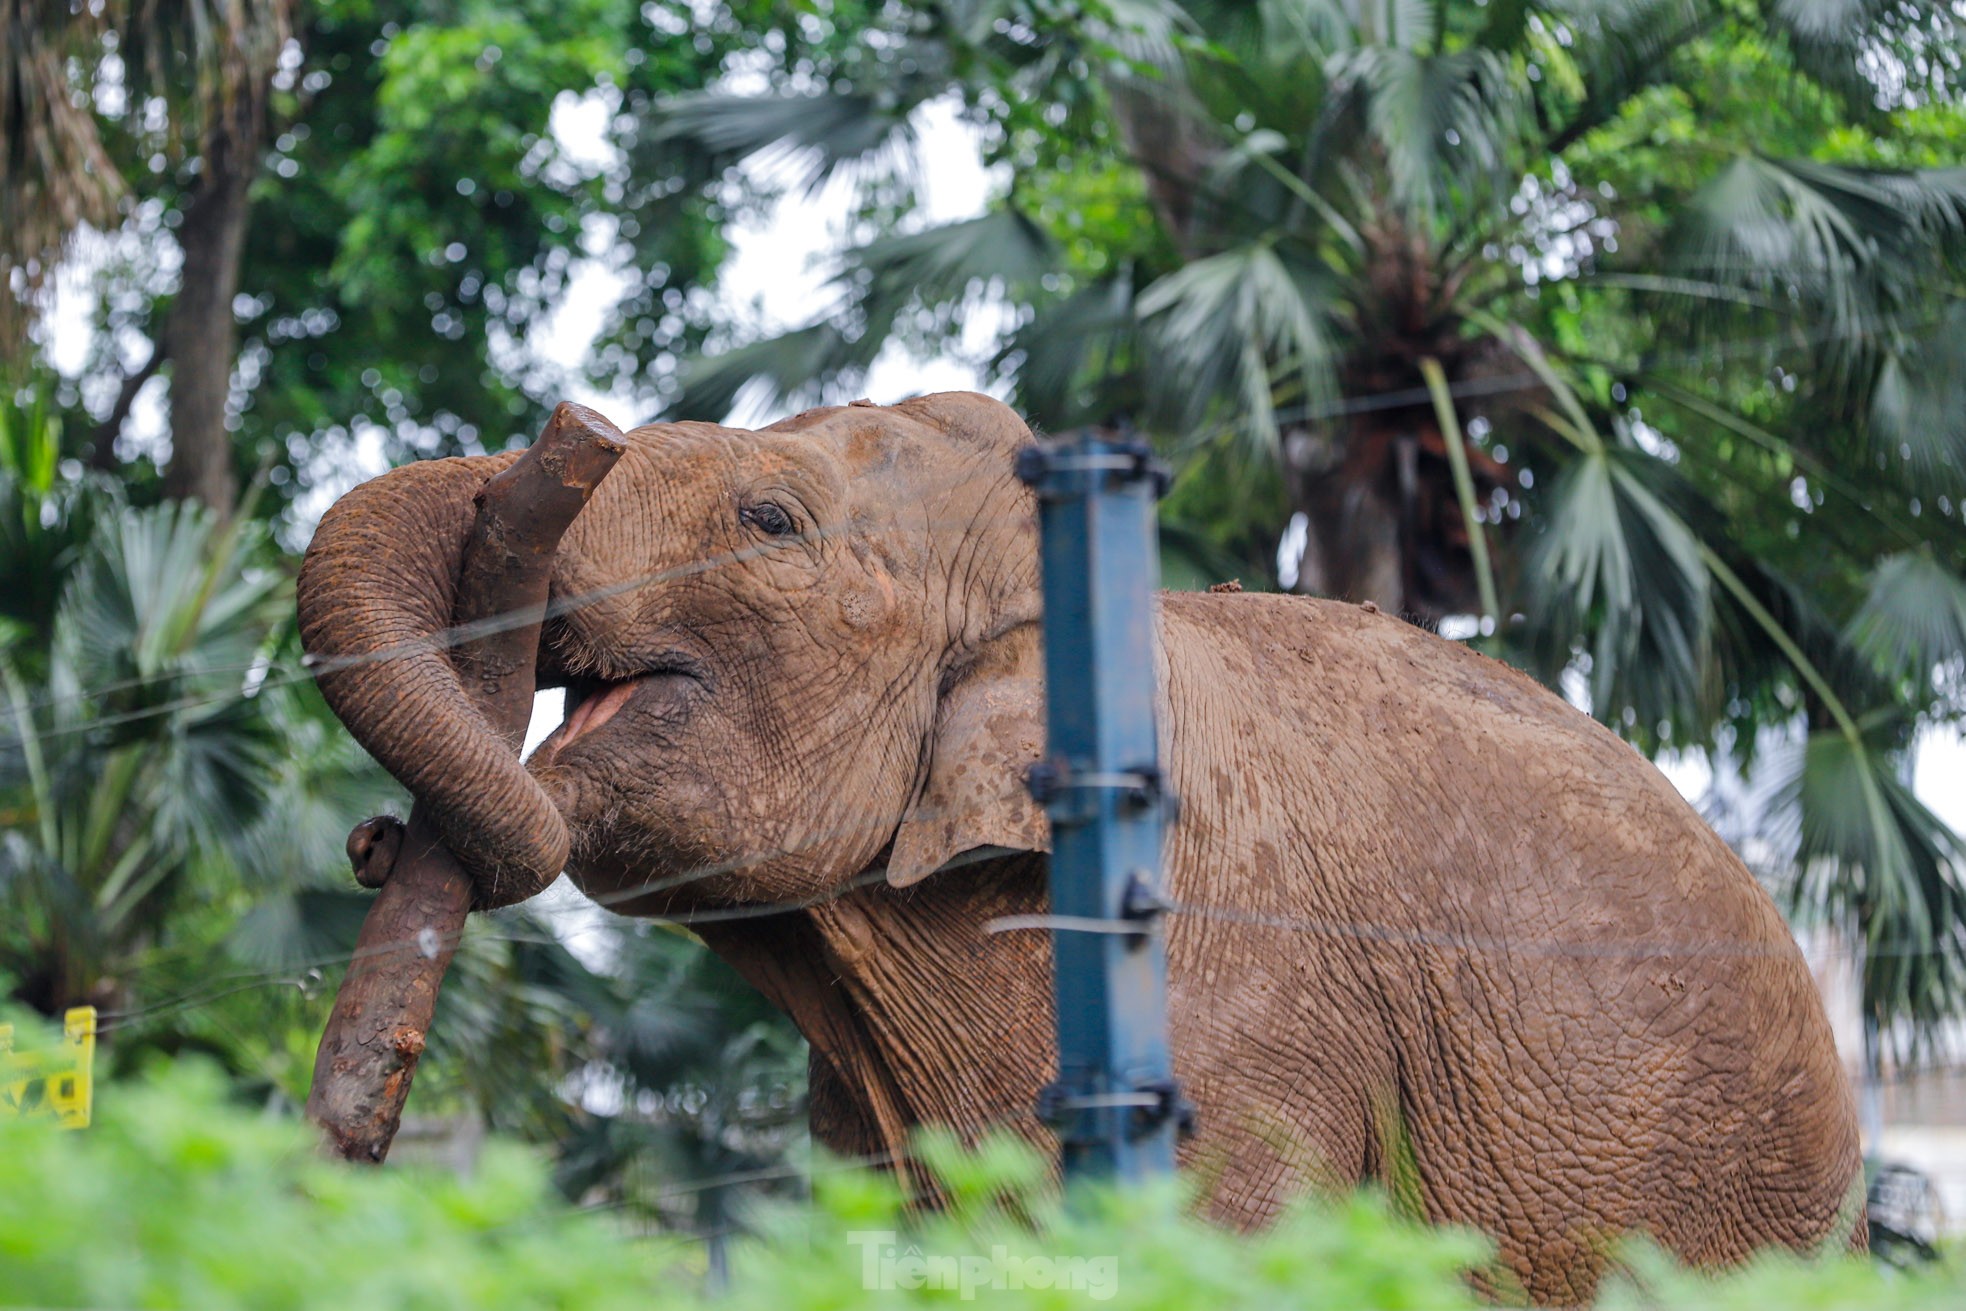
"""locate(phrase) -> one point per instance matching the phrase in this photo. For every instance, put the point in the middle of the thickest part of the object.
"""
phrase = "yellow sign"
(58, 1083)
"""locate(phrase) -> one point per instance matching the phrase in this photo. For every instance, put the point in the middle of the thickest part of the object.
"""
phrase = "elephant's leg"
(1282, 1047)
(1254, 1157)
(840, 1122)
(1286, 1107)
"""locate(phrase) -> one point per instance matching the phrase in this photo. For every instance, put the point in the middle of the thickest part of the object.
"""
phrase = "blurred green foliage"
(177, 1197)
(139, 756)
(174, 797)
(416, 221)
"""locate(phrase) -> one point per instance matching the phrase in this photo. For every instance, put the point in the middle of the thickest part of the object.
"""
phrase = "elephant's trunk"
(375, 597)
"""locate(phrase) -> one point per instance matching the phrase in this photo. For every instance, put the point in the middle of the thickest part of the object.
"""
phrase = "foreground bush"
(178, 1198)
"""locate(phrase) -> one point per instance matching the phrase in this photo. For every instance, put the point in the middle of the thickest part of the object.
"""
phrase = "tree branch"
(369, 1050)
(102, 443)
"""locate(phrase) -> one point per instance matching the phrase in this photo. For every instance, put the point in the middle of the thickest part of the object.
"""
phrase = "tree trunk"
(1172, 152)
(1384, 521)
(1355, 546)
(199, 334)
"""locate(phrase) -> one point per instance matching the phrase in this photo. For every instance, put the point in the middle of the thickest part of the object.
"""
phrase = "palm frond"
(819, 134)
(1852, 243)
(1260, 150)
(1147, 35)
(1874, 858)
(1070, 360)
(1913, 617)
(143, 753)
(298, 928)
(162, 597)
(1836, 42)
(1916, 403)
(1439, 120)
(320, 784)
(1404, 24)
(1618, 566)
(939, 269)
(1224, 330)
(1861, 257)
(1618, 49)
(942, 265)
(787, 370)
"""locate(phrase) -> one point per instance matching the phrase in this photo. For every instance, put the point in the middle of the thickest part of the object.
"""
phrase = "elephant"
(1434, 928)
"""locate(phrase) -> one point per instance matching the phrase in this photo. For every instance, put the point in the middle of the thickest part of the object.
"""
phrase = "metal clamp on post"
(1170, 1105)
(1071, 796)
(1142, 901)
(1045, 466)
(1149, 1105)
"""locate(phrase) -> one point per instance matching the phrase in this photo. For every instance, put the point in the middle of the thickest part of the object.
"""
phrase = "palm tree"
(54, 174)
(81, 90)
(135, 754)
(1630, 329)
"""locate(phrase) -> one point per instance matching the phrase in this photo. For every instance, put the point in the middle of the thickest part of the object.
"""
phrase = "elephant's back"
(1595, 1016)
(1412, 749)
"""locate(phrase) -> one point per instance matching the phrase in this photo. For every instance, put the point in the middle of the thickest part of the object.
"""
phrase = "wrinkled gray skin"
(1466, 942)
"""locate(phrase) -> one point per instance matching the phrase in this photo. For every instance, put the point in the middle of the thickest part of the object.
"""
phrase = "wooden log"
(369, 1050)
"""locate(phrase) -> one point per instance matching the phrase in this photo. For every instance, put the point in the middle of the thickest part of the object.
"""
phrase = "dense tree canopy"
(410, 218)
(174, 795)
(1630, 329)
(1622, 336)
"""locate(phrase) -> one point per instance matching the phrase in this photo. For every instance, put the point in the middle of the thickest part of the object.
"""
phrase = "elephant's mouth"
(592, 702)
(594, 709)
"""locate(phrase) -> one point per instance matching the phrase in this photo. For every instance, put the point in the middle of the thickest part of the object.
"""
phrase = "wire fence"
(304, 974)
(307, 976)
(256, 678)
(262, 670)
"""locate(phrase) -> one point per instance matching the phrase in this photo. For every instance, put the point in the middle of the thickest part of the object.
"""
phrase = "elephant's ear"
(988, 729)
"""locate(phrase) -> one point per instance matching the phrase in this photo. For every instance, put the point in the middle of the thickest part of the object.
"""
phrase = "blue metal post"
(1116, 1105)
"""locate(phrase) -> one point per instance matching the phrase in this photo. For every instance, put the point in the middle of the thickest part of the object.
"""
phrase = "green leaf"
(823, 132)
(1068, 349)
(1913, 617)
(1618, 560)
(1002, 249)
(1439, 120)
(1875, 858)
(1855, 245)
(1917, 402)
(1225, 326)
(790, 370)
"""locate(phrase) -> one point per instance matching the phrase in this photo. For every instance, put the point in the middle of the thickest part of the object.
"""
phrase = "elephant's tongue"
(595, 711)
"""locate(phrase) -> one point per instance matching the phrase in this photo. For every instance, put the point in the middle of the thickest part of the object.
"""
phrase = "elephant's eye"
(767, 518)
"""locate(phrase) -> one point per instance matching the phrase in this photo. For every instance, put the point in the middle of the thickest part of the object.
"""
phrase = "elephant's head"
(783, 651)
